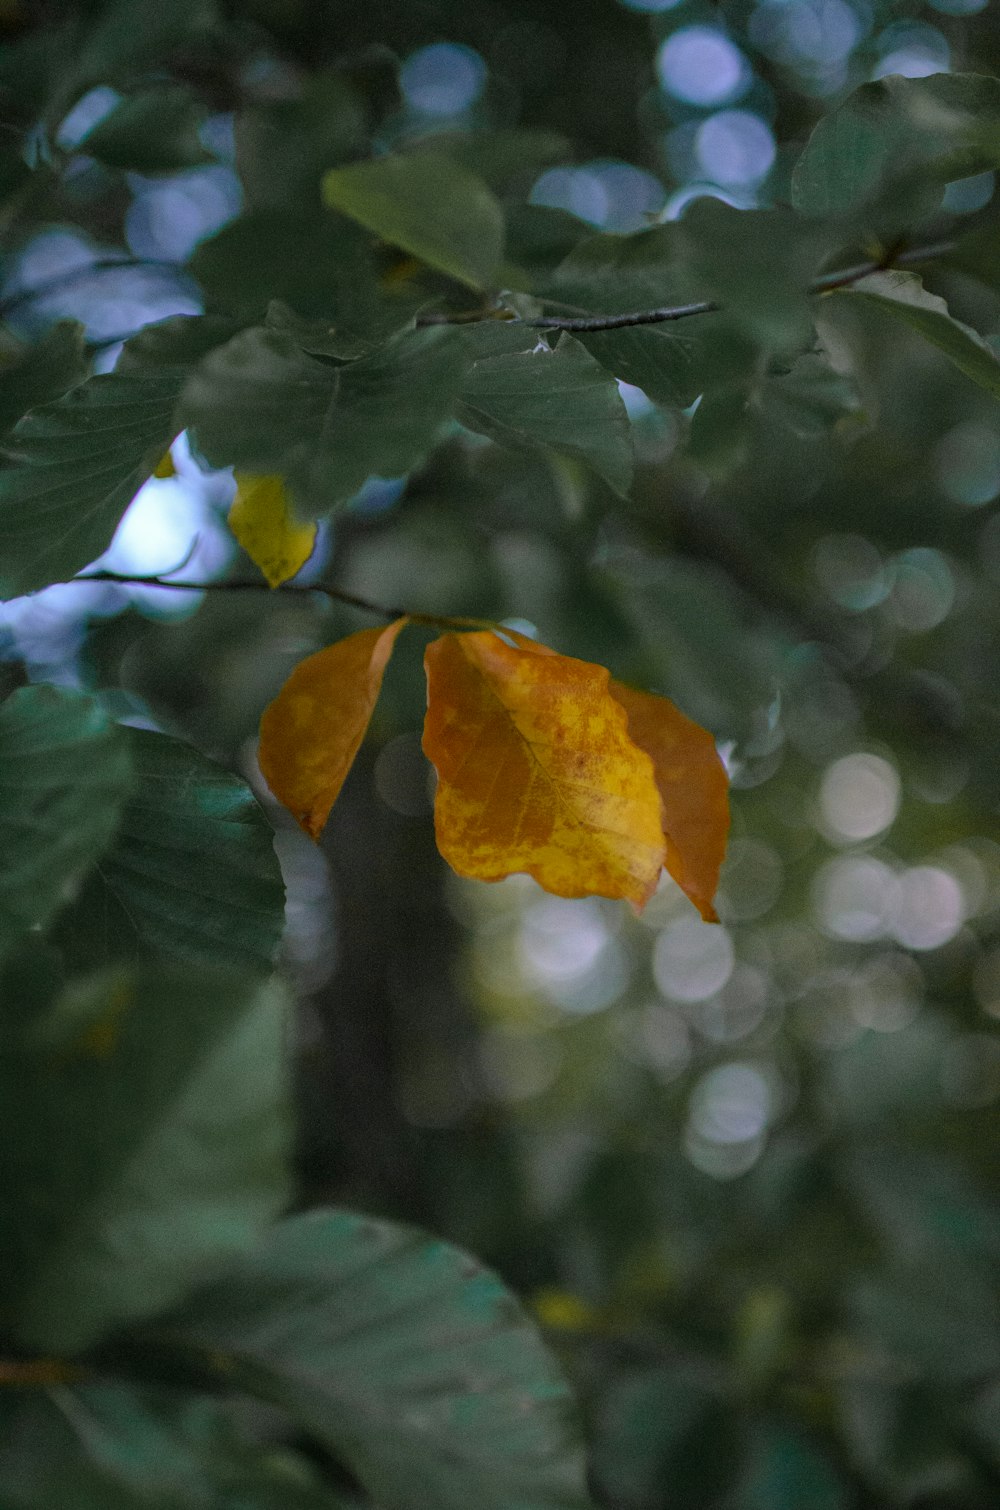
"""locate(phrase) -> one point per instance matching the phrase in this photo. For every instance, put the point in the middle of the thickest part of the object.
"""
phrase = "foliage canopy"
(664, 334)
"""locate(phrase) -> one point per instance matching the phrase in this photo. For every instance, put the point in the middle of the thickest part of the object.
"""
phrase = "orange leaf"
(693, 787)
(311, 732)
(537, 772)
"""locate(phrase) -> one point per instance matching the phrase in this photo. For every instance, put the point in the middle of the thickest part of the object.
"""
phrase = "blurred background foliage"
(746, 1175)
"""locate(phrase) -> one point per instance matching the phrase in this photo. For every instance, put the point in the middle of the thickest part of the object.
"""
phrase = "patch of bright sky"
(701, 66)
(443, 79)
(107, 301)
(613, 195)
(169, 216)
(913, 50)
(84, 116)
(963, 196)
(735, 148)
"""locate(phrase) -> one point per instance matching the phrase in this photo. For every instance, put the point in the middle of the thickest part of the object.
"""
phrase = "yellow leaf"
(537, 772)
(311, 732)
(165, 466)
(263, 523)
(693, 787)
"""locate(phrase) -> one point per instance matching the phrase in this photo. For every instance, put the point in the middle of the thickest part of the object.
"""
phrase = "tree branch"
(335, 595)
(586, 324)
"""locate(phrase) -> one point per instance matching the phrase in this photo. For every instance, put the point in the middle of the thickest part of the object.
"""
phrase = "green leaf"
(616, 275)
(192, 872)
(260, 403)
(65, 774)
(125, 38)
(110, 1446)
(421, 201)
(784, 1471)
(40, 373)
(144, 1131)
(154, 132)
(75, 465)
(562, 398)
(925, 130)
(903, 296)
(402, 1356)
(319, 264)
(756, 263)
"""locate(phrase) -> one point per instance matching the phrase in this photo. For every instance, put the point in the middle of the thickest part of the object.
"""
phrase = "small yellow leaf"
(537, 772)
(263, 523)
(311, 732)
(693, 787)
(165, 466)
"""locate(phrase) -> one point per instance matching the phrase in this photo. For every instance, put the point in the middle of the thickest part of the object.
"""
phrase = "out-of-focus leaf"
(809, 399)
(922, 1317)
(499, 155)
(284, 146)
(65, 774)
(537, 773)
(757, 263)
(428, 205)
(261, 519)
(693, 788)
(75, 465)
(941, 127)
(155, 132)
(785, 1471)
(41, 373)
(714, 665)
(110, 1446)
(318, 264)
(401, 1355)
(262, 404)
(145, 1133)
(562, 398)
(617, 275)
(903, 296)
(123, 38)
(665, 1432)
(311, 732)
(192, 873)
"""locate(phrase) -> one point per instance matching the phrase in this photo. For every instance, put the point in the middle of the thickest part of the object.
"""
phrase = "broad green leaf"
(260, 403)
(929, 129)
(903, 296)
(113, 1446)
(756, 263)
(145, 1132)
(153, 132)
(318, 264)
(402, 1356)
(40, 373)
(65, 773)
(809, 399)
(563, 399)
(191, 874)
(75, 465)
(620, 274)
(421, 201)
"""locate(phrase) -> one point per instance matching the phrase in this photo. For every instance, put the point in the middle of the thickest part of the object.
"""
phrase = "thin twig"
(335, 594)
(589, 324)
